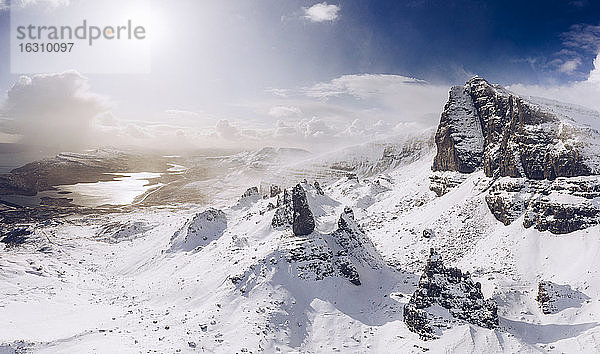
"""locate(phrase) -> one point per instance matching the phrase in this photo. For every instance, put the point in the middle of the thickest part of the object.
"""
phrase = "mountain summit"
(543, 162)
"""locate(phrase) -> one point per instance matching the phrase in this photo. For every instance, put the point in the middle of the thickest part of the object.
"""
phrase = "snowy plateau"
(479, 236)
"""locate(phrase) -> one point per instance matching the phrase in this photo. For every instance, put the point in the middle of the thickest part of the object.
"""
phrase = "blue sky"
(251, 63)
(438, 40)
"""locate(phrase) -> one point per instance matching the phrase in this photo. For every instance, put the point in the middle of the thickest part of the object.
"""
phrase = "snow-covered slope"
(249, 286)
(318, 268)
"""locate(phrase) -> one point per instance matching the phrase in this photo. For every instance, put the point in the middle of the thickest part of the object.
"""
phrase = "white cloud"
(278, 92)
(315, 128)
(285, 111)
(569, 66)
(347, 110)
(226, 130)
(314, 134)
(391, 98)
(583, 36)
(579, 43)
(322, 12)
(585, 93)
(361, 86)
(60, 110)
(594, 77)
(136, 131)
(52, 109)
(358, 128)
(177, 113)
(45, 3)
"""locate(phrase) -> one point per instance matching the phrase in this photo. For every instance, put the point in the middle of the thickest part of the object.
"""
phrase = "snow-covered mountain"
(485, 239)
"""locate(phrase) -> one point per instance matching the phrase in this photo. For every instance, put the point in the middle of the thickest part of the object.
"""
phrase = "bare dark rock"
(250, 192)
(319, 256)
(560, 206)
(428, 233)
(284, 215)
(16, 236)
(506, 199)
(293, 210)
(274, 191)
(453, 290)
(318, 188)
(459, 138)
(557, 217)
(303, 220)
(484, 126)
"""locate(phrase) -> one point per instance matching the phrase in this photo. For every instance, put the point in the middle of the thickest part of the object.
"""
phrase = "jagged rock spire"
(451, 289)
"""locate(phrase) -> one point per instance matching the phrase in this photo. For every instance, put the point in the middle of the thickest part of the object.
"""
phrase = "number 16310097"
(55, 47)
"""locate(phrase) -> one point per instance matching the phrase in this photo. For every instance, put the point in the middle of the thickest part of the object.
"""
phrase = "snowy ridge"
(342, 265)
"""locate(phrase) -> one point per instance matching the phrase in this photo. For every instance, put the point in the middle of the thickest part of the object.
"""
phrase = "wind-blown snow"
(80, 294)
(194, 278)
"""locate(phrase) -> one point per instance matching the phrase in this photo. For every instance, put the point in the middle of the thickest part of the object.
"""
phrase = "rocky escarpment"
(486, 126)
(538, 157)
(445, 295)
(560, 206)
(460, 136)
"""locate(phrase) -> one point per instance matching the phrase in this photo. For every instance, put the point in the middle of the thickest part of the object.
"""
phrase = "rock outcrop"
(284, 215)
(293, 210)
(116, 232)
(441, 182)
(303, 220)
(452, 290)
(531, 149)
(554, 298)
(319, 256)
(274, 190)
(250, 192)
(198, 232)
(318, 188)
(560, 206)
(16, 236)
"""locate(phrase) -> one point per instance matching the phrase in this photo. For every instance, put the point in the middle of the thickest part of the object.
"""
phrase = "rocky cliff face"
(487, 126)
(459, 137)
(445, 295)
(534, 151)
